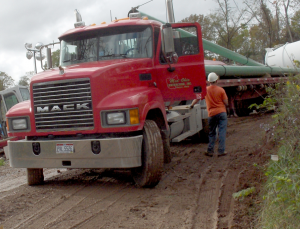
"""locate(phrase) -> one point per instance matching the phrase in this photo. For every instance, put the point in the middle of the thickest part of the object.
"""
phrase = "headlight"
(19, 124)
(120, 118)
(116, 118)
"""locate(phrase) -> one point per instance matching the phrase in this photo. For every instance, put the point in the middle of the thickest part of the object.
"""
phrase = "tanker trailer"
(285, 56)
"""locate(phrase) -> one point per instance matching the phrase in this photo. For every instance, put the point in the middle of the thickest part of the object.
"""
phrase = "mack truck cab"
(108, 105)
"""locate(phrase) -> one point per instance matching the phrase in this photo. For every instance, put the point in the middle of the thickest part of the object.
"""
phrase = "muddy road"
(195, 190)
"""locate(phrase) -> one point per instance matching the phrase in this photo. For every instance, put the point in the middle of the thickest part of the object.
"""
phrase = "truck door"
(188, 80)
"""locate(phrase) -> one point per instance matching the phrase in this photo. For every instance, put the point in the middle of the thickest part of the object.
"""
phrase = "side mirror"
(168, 47)
(168, 41)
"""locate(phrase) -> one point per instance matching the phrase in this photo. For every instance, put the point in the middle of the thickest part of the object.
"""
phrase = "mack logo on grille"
(68, 107)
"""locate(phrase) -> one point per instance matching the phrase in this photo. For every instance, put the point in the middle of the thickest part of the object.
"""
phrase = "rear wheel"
(202, 135)
(205, 131)
(167, 150)
(149, 174)
(241, 108)
(35, 176)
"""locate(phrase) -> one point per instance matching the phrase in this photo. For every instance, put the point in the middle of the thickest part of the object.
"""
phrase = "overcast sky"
(43, 21)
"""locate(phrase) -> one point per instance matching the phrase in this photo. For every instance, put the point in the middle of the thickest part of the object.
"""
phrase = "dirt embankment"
(195, 190)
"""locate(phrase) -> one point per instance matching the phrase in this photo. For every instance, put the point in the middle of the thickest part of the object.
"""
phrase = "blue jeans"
(220, 121)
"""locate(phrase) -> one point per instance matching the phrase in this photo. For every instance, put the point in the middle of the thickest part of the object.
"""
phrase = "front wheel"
(35, 176)
(149, 174)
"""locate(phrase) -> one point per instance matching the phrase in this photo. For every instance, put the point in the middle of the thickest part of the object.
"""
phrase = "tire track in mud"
(49, 214)
(100, 215)
(151, 208)
(210, 191)
(21, 204)
(226, 201)
(31, 202)
(143, 208)
(88, 208)
(195, 166)
(42, 210)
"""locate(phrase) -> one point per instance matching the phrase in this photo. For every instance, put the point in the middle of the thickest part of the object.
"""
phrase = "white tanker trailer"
(285, 56)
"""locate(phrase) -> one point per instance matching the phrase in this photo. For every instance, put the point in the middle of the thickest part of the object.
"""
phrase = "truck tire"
(167, 150)
(202, 135)
(241, 108)
(35, 176)
(205, 131)
(149, 174)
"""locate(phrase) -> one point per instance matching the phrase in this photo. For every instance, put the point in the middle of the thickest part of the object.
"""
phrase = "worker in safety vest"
(216, 102)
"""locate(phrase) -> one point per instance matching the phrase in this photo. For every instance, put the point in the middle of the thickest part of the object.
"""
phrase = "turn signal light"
(134, 116)
(7, 126)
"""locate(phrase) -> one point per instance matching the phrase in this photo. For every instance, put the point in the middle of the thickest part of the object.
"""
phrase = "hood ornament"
(61, 70)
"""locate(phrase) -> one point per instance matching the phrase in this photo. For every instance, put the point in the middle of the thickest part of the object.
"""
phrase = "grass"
(1, 162)
(281, 198)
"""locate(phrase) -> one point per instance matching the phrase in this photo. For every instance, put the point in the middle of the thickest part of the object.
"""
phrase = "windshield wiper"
(68, 60)
(114, 55)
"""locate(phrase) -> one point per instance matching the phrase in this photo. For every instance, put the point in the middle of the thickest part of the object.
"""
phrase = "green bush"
(281, 200)
(243, 193)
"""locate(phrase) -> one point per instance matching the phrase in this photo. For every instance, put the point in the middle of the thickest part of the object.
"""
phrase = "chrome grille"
(63, 105)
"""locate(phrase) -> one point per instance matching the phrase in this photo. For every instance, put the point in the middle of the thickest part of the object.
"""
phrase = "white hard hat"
(212, 77)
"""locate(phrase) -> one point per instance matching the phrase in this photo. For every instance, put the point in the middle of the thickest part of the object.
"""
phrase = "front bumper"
(115, 153)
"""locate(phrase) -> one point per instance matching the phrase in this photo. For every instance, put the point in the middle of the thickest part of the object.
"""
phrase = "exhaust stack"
(170, 11)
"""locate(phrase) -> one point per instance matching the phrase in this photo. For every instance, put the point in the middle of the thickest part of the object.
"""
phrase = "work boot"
(222, 154)
(210, 154)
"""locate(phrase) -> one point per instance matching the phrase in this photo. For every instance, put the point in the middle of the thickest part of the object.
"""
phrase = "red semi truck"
(8, 98)
(105, 106)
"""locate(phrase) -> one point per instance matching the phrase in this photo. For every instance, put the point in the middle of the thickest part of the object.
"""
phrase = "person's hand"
(192, 106)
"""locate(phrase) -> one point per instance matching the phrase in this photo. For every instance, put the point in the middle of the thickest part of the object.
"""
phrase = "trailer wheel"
(242, 108)
(35, 176)
(149, 174)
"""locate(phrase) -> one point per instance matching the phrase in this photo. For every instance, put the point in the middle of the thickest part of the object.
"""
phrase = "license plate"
(64, 148)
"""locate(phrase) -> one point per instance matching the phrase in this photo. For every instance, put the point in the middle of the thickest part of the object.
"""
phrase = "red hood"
(83, 69)
(20, 109)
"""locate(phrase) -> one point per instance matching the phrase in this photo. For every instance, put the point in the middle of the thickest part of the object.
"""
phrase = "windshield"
(25, 94)
(10, 100)
(116, 43)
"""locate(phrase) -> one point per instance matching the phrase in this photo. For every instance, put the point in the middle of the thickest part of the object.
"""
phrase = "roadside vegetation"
(281, 195)
(1, 162)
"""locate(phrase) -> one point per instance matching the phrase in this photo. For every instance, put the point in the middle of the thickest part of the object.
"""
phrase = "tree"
(6, 81)
(228, 24)
(286, 4)
(264, 17)
(55, 58)
(288, 7)
(208, 32)
(295, 25)
(25, 80)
